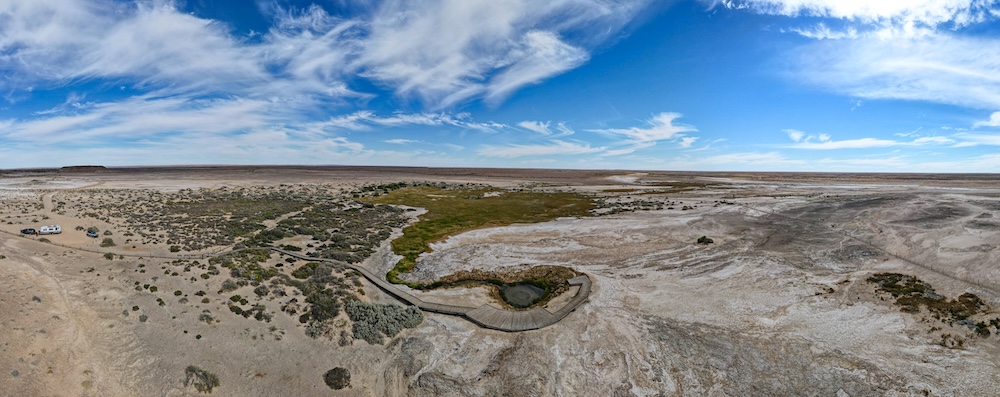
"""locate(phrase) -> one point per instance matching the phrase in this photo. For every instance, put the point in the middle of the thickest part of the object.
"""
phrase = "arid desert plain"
(804, 284)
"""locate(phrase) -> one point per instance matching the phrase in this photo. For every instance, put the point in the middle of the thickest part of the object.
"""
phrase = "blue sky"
(741, 85)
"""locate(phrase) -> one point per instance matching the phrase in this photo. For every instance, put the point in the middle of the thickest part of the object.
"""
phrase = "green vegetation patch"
(202, 380)
(246, 264)
(372, 321)
(912, 294)
(450, 212)
(348, 233)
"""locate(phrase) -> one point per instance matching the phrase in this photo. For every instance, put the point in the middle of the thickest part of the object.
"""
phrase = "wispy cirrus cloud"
(880, 18)
(623, 141)
(553, 148)
(449, 51)
(802, 140)
(946, 69)
(546, 128)
(401, 141)
(365, 119)
(658, 128)
(179, 66)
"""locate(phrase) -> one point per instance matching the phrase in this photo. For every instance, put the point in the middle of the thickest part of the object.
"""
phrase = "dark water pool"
(521, 295)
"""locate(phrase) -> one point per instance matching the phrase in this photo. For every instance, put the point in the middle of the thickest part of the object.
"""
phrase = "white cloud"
(545, 129)
(554, 148)
(863, 143)
(994, 121)
(937, 140)
(401, 141)
(825, 142)
(660, 127)
(795, 135)
(888, 18)
(144, 116)
(937, 68)
(536, 126)
(149, 43)
(686, 142)
(448, 51)
(442, 51)
(362, 120)
(541, 55)
(822, 32)
(978, 139)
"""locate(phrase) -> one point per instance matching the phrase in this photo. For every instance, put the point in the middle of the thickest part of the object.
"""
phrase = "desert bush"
(79, 228)
(109, 256)
(44, 240)
(107, 233)
(93, 229)
(705, 240)
(228, 286)
(305, 271)
(175, 248)
(337, 378)
(107, 242)
(261, 290)
(324, 305)
(202, 380)
(372, 321)
(206, 317)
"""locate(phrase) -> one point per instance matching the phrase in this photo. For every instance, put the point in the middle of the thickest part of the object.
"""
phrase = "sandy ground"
(778, 305)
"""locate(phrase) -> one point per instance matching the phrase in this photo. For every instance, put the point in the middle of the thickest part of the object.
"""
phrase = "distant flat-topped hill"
(82, 168)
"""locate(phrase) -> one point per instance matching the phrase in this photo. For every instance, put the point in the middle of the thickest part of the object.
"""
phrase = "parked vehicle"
(91, 234)
(29, 230)
(53, 229)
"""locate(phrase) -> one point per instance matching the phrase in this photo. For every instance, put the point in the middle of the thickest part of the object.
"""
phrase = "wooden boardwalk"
(485, 316)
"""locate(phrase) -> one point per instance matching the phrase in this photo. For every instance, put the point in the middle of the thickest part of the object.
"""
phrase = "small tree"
(107, 242)
(705, 240)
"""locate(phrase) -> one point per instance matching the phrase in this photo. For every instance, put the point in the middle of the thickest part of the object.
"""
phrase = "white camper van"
(54, 229)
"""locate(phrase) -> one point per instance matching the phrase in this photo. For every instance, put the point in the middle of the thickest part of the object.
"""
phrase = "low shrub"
(373, 321)
(337, 378)
(202, 380)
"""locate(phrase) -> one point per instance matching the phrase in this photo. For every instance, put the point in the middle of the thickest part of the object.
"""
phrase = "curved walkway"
(485, 316)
